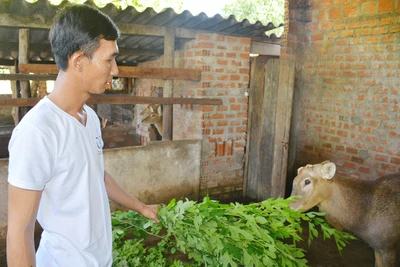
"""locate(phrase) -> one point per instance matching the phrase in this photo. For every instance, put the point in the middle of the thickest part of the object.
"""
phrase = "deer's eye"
(307, 182)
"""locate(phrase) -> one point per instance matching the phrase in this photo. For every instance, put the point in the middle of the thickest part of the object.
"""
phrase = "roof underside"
(134, 48)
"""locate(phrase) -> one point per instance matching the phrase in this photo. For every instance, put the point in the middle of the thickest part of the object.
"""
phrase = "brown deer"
(153, 115)
(368, 209)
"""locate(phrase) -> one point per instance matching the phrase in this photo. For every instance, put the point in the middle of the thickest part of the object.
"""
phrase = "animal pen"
(233, 125)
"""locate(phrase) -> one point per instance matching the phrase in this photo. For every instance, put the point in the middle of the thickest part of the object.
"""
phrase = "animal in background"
(153, 115)
(368, 209)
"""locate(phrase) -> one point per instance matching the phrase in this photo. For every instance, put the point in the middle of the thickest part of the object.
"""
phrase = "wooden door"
(270, 111)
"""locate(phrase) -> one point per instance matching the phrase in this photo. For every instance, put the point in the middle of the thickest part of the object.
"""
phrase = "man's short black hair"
(79, 28)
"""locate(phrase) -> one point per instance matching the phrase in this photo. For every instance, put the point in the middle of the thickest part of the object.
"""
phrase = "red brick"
(235, 107)
(395, 160)
(395, 28)
(368, 8)
(245, 41)
(350, 74)
(386, 5)
(387, 21)
(326, 3)
(365, 170)
(335, 13)
(380, 30)
(317, 37)
(349, 165)
(363, 32)
(351, 150)
(321, 15)
(357, 160)
(202, 36)
(381, 158)
(350, 11)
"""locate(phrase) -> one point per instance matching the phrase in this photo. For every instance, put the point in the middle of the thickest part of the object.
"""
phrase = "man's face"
(100, 69)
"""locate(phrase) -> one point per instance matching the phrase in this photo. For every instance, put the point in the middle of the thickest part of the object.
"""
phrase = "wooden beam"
(118, 99)
(23, 58)
(160, 73)
(123, 51)
(284, 106)
(169, 48)
(125, 71)
(16, 21)
(40, 22)
(152, 30)
(27, 77)
(38, 68)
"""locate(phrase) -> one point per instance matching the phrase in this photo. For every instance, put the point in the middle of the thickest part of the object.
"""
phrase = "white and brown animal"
(152, 114)
(368, 209)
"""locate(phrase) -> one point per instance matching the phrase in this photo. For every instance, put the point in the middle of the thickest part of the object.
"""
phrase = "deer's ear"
(159, 109)
(299, 169)
(328, 170)
(151, 108)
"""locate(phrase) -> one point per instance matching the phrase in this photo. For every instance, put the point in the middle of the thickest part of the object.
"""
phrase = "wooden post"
(169, 49)
(23, 58)
(282, 130)
(14, 94)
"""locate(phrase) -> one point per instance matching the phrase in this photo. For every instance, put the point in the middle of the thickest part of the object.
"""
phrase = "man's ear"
(76, 61)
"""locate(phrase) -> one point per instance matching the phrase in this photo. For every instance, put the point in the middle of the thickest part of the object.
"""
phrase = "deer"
(369, 209)
(153, 115)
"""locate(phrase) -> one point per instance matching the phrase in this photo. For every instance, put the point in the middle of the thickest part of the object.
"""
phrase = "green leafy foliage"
(214, 234)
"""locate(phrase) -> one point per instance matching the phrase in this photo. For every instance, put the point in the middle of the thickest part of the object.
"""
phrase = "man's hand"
(150, 211)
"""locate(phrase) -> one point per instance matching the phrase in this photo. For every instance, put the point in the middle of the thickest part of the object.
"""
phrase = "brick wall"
(224, 62)
(347, 84)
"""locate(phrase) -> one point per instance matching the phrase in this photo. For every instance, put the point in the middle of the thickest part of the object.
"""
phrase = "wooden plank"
(282, 130)
(125, 71)
(46, 48)
(23, 58)
(169, 49)
(14, 94)
(16, 21)
(264, 86)
(256, 96)
(27, 77)
(153, 30)
(40, 22)
(160, 73)
(38, 68)
(118, 99)
(268, 123)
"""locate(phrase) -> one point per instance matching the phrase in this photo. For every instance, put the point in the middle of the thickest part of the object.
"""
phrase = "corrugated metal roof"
(133, 48)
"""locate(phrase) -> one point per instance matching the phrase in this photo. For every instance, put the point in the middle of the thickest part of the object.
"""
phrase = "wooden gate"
(270, 112)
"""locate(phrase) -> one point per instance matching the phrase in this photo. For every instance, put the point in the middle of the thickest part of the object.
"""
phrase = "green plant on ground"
(214, 234)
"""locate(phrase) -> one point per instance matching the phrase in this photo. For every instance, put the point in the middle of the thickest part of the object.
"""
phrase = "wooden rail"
(118, 99)
(124, 71)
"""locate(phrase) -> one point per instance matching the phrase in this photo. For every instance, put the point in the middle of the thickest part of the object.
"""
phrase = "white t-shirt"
(51, 151)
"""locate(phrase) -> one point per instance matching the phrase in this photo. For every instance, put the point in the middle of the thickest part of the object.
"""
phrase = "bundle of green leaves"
(214, 234)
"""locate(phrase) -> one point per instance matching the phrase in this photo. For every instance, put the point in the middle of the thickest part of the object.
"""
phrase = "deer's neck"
(159, 127)
(347, 208)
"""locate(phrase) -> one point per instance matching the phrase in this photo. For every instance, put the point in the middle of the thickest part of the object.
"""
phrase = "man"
(56, 169)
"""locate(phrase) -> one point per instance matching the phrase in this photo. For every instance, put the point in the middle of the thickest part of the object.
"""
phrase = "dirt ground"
(324, 253)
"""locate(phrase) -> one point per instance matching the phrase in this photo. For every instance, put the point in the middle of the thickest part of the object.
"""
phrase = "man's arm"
(117, 194)
(22, 210)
